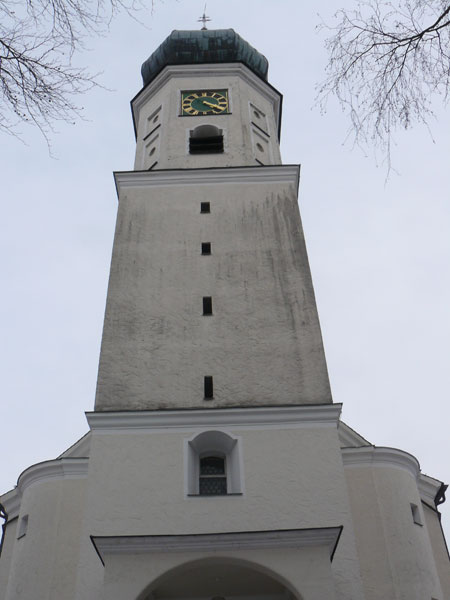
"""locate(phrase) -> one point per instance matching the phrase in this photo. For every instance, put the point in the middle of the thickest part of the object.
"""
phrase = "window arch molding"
(213, 443)
(205, 131)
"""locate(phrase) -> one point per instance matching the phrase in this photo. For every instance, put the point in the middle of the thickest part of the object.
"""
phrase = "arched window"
(206, 139)
(213, 477)
(213, 465)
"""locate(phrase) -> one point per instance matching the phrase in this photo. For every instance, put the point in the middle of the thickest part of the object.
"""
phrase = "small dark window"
(213, 479)
(206, 247)
(209, 392)
(206, 145)
(207, 305)
(205, 207)
(206, 139)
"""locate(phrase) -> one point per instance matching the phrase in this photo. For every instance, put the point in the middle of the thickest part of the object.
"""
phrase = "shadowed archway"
(219, 579)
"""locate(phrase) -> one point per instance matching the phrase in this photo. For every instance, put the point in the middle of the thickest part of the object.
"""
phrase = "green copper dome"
(204, 46)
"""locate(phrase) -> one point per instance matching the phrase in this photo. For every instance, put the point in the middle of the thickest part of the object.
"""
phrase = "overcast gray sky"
(379, 253)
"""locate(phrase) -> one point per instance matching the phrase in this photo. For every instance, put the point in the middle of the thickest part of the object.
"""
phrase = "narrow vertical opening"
(206, 247)
(205, 207)
(207, 305)
(208, 384)
(213, 478)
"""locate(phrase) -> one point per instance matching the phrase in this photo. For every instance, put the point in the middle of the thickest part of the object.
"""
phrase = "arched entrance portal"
(218, 579)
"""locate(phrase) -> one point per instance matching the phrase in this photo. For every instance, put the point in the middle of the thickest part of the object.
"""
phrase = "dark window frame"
(207, 306)
(208, 385)
(213, 479)
(206, 145)
(206, 248)
(206, 139)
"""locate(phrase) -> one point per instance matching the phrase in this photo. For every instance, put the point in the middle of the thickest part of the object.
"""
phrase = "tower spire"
(204, 19)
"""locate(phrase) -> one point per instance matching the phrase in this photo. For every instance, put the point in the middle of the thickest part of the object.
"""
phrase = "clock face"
(204, 102)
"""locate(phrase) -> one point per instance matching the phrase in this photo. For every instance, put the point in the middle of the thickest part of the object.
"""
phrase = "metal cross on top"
(204, 19)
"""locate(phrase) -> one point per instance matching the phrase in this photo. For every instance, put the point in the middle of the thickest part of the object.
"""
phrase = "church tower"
(216, 466)
(210, 301)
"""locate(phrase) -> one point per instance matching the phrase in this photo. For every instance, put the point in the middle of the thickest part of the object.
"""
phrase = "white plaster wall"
(90, 571)
(172, 147)
(439, 548)
(263, 343)
(293, 479)
(408, 544)
(395, 554)
(44, 561)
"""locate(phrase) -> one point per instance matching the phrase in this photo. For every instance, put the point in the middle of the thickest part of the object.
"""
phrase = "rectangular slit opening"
(205, 207)
(208, 384)
(206, 248)
(207, 305)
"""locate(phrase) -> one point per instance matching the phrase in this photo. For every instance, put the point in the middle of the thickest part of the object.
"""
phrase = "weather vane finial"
(204, 19)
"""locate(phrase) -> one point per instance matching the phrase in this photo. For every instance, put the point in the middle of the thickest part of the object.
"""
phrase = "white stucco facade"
(263, 339)
(331, 520)
(308, 509)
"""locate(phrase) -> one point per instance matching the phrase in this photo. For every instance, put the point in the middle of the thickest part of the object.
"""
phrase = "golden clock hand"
(213, 105)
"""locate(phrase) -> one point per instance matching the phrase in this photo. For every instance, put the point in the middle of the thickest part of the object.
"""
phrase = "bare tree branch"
(38, 38)
(387, 61)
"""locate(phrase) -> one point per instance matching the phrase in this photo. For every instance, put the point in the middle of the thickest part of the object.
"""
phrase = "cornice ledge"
(258, 540)
(195, 177)
(380, 457)
(291, 416)
(428, 488)
(64, 468)
(11, 503)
